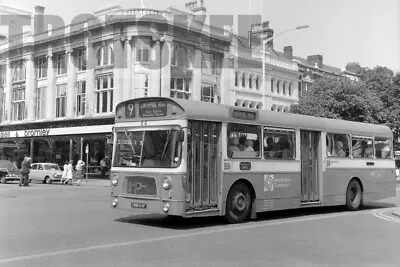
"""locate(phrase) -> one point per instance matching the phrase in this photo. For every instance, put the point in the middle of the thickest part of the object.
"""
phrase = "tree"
(340, 98)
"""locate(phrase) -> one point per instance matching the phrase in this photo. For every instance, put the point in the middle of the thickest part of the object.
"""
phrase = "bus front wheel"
(238, 203)
(354, 195)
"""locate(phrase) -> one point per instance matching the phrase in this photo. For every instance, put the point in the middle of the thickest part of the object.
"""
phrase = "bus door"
(309, 166)
(203, 165)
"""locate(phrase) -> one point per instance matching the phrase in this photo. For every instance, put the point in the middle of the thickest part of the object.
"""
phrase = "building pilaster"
(50, 98)
(30, 88)
(8, 91)
(71, 84)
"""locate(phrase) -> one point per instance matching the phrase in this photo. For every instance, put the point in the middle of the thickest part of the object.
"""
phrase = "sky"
(342, 31)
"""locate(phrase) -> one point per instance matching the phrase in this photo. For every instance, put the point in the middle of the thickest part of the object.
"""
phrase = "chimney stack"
(288, 52)
(315, 60)
(38, 20)
(196, 7)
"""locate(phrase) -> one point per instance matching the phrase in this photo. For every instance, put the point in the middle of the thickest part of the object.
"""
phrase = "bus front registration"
(138, 205)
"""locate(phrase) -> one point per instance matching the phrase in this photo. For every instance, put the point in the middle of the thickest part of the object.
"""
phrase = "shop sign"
(5, 134)
(37, 132)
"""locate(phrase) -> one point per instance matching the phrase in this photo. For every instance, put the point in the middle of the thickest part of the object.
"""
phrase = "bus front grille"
(140, 185)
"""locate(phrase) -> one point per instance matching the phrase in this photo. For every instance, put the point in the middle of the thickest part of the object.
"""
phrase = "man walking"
(25, 169)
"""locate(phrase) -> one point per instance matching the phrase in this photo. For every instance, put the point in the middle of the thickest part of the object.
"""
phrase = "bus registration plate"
(137, 205)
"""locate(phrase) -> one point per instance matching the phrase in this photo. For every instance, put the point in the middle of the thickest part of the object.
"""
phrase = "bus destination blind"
(149, 109)
(244, 115)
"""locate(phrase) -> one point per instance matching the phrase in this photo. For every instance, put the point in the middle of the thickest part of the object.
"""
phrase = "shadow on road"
(178, 223)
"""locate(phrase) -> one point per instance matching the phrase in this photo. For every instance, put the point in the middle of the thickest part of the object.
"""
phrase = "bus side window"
(243, 141)
(279, 144)
(362, 147)
(383, 148)
(337, 145)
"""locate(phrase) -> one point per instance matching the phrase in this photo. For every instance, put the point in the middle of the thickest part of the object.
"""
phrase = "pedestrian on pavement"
(70, 172)
(25, 169)
(79, 171)
(64, 174)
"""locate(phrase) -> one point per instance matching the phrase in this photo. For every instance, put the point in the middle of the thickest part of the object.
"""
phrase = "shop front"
(90, 143)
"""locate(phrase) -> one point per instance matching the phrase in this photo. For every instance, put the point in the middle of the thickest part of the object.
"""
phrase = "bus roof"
(216, 112)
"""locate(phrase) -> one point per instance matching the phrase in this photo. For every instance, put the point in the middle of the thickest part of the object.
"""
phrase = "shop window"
(81, 98)
(383, 148)
(61, 100)
(362, 147)
(105, 56)
(41, 103)
(104, 93)
(61, 64)
(279, 143)
(41, 67)
(18, 103)
(141, 86)
(337, 145)
(208, 92)
(243, 141)
(181, 88)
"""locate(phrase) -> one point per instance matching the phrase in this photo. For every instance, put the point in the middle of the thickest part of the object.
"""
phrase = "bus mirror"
(181, 136)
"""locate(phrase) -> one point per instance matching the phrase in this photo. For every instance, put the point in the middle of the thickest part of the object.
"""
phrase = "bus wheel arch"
(354, 194)
(240, 202)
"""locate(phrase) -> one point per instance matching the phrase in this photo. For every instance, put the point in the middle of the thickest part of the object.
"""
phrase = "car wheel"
(3, 180)
(47, 180)
(354, 195)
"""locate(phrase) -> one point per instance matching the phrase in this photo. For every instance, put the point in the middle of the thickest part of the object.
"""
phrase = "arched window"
(181, 58)
(105, 56)
(19, 73)
(259, 105)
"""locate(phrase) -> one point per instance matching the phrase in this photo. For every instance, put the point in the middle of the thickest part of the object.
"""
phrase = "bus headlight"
(166, 207)
(115, 202)
(114, 179)
(167, 183)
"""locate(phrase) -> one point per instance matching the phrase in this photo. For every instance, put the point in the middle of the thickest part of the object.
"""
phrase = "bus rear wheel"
(238, 203)
(354, 195)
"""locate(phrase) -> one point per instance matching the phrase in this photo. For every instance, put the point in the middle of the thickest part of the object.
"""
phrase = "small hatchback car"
(45, 172)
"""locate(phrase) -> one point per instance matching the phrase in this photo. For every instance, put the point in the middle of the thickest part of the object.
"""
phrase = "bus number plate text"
(137, 205)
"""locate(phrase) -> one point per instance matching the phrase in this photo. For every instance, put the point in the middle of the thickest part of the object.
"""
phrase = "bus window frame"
(349, 140)
(362, 137)
(259, 157)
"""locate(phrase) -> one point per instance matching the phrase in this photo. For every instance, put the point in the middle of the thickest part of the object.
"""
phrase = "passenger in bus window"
(249, 145)
(286, 153)
(242, 140)
(269, 147)
(339, 149)
(234, 146)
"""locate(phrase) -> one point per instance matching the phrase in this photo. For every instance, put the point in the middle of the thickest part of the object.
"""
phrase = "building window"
(141, 85)
(299, 86)
(81, 98)
(18, 103)
(236, 79)
(290, 89)
(104, 93)
(105, 56)
(243, 80)
(3, 105)
(61, 100)
(243, 141)
(81, 59)
(257, 83)
(61, 64)
(180, 88)
(19, 73)
(41, 103)
(208, 93)
(278, 90)
(279, 143)
(209, 63)
(3, 75)
(181, 58)
(41, 67)
(250, 81)
(284, 88)
(272, 85)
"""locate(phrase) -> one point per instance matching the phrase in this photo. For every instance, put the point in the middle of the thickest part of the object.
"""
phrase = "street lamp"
(265, 41)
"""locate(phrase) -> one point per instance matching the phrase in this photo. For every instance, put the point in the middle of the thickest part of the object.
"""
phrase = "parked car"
(8, 171)
(45, 172)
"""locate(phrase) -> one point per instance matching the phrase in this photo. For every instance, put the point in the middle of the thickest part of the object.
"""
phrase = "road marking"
(379, 214)
(220, 229)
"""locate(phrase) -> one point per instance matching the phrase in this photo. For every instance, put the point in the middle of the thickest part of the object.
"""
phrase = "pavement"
(95, 182)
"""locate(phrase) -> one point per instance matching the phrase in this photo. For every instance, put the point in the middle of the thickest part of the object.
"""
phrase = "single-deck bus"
(191, 158)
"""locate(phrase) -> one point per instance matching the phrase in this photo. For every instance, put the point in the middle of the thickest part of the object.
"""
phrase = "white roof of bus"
(216, 112)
